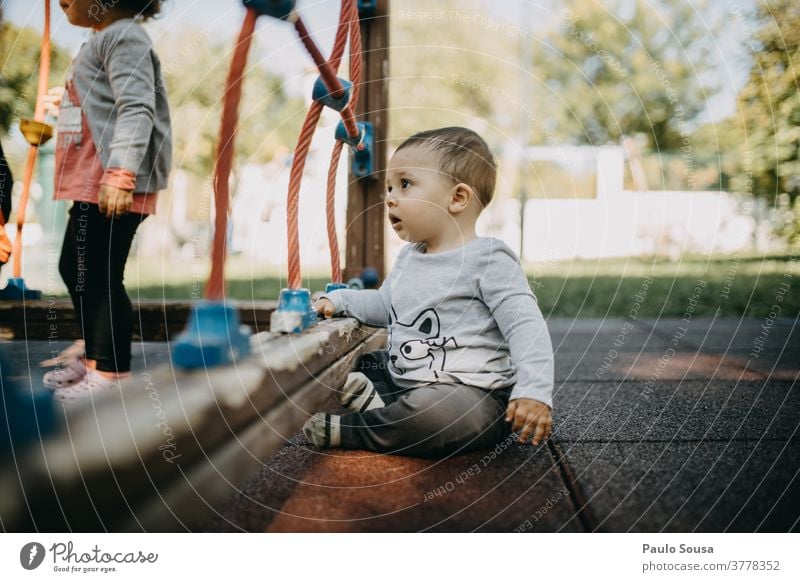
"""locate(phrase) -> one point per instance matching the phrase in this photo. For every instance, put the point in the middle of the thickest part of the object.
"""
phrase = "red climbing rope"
(30, 162)
(348, 13)
(355, 78)
(348, 23)
(215, 287)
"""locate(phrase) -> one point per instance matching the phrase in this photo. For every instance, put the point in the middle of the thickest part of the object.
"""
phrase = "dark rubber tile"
(689, 486)
(691, 410)
(516, 488)
(614, 365)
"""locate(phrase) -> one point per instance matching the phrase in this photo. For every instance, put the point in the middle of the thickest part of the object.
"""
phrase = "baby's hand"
(531, 417)
(324, 306)
(114, 201)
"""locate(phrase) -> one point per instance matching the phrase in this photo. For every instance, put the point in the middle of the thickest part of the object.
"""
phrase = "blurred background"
(638, 141)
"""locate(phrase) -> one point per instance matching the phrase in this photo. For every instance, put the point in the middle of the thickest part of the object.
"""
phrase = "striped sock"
(324, 430)
(359, 394)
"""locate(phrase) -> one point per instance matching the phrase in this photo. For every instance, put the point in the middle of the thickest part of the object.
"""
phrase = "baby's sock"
(324, 430)
(359, 393)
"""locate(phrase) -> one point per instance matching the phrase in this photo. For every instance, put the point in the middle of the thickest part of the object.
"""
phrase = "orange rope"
(215, 287)
(333, 242)
(355, 77)
(30, 163)
(301, 152)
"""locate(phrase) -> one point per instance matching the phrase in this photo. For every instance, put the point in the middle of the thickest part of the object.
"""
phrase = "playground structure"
(232, 397)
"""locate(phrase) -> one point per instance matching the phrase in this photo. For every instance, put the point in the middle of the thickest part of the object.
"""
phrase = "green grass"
(745, 285)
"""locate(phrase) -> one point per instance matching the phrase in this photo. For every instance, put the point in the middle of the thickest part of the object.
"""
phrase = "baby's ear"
(461, 197)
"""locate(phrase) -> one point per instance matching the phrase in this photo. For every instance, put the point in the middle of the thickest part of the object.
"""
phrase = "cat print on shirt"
(430, 346)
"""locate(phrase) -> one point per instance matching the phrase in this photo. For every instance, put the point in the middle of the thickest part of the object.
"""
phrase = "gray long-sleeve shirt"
(464, 316)
(118, 79)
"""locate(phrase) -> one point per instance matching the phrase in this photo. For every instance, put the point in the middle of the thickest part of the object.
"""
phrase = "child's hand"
(52, 101)
(5, 246)
(531, 417)
(324, 306)
(114, 201)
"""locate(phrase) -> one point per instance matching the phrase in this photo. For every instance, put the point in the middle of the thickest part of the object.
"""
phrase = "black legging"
(92, 265)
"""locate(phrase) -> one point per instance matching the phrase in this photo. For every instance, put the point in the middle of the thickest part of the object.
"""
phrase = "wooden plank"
(123, 446)
(153, 320)
(365, 212)
(191, 500)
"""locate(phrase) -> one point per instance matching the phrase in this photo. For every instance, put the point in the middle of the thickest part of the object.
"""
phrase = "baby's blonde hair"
(463, 155)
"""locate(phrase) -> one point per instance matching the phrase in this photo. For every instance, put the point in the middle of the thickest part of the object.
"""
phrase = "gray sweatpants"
(427, 421)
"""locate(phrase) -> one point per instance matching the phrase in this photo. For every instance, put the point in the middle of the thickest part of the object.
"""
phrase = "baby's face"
(418, 194)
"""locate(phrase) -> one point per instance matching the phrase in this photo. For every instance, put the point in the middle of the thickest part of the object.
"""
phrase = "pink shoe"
(92, 383)
(69, 373)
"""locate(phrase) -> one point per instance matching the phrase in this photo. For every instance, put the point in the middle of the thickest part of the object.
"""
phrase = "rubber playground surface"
(658, 426)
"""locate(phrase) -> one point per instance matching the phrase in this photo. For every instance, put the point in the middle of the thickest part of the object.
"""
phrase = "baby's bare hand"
(324, 306)
(530, 417)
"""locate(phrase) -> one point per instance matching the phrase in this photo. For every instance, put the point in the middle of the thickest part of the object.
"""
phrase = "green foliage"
(269, 119)
(770, 105)
(450, 65)
(20, 49)
(735, 285)
(628, 67)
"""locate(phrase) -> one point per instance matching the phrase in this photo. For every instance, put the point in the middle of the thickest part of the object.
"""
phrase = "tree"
(770, 105)
(626, 67)
(20, 50)
(269, 118)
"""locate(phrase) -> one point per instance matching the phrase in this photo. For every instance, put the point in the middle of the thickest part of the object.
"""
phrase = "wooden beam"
(155, 320)
(365, 196)
(124, 448)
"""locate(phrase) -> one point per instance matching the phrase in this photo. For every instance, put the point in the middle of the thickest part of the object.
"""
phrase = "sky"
(282, 52)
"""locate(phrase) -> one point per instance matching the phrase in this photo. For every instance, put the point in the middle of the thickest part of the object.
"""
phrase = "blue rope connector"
(294, 313)
(321, 93)
(363, 146)
(366, 8)
(280, 9)
(213, 337)
(25, 417)
(16, 290)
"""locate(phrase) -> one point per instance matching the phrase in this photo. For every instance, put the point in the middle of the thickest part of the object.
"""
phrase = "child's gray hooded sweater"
(118, 79)
(464, 316)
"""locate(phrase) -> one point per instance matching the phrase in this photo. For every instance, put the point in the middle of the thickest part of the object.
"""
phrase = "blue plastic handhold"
(294, 313)
(355, 283)
(213, 337)
(25, 416)
(334, 286)
(16, 290)
(321, 93)
(362, 145)
(366, 8)
(276, 8)
(369, 275)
